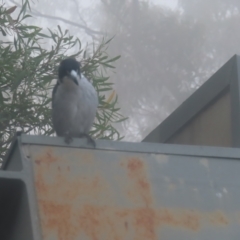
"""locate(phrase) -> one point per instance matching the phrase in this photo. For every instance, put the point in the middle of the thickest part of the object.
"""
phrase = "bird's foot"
(89, 139)
(68, 138)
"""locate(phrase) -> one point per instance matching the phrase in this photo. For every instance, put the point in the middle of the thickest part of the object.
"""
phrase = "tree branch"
(87, 30)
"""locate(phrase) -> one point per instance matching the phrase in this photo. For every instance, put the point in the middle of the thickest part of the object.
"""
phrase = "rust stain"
(47, 158)
(191, 221)
(58, 219)
(219, 219)
(137, 174)
(145, 223)
(38, 162)
(69, 205)
(90, 220)
(135, 164)
(41, 186)
(126, 225)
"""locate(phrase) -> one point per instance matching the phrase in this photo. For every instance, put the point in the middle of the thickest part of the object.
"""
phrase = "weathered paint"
(78, 200)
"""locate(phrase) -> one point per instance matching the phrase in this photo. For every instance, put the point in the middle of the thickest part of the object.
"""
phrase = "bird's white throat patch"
(74, 74)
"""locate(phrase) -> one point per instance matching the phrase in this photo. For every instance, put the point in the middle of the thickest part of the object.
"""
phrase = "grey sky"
(168, 3)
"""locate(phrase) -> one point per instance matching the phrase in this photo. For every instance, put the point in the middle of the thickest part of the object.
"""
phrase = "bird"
(74, 103)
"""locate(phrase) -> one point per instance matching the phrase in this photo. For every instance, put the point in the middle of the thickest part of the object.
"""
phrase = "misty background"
(168, 48)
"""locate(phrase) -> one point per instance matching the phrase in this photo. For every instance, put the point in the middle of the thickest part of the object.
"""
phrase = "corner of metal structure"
(235, 102)
(136, 147)
(14, 145)
(17, 174)
(214, 86)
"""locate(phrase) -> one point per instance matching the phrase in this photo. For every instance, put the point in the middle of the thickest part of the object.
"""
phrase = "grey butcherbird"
(74, 102)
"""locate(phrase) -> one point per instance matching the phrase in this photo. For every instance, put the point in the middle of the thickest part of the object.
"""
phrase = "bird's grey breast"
(74, 109)
(87, 104)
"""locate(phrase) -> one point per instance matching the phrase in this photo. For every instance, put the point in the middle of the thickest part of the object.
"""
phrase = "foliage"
(27, 70)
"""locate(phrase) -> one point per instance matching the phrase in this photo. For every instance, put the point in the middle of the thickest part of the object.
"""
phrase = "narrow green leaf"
(11, 10)
(3, 32)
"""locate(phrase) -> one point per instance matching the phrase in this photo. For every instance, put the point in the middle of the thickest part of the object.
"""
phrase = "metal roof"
(120, 190)
(228, 76)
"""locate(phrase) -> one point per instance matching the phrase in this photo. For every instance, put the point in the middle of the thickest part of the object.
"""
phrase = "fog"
(167, 50)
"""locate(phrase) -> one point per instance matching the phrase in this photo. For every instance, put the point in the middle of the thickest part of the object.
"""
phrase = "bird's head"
(69, 68)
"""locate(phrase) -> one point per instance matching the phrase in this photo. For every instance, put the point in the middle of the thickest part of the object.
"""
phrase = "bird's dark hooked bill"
(74, 76)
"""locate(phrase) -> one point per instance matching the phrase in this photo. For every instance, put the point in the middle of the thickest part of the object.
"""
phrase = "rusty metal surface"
(113, 195)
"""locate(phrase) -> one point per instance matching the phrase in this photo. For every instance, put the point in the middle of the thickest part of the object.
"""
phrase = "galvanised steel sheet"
(154, 191)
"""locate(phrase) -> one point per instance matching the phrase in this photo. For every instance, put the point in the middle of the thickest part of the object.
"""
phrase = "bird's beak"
(74, 76)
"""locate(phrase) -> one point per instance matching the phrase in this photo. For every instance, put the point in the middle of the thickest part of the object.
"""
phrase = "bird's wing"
(54, 91)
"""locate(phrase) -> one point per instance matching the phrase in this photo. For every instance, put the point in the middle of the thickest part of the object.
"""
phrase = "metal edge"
(142, 147)
(12, 175)
(195, 103)
(9, 152)
(19, 176)
(31, 193)
(235, 103)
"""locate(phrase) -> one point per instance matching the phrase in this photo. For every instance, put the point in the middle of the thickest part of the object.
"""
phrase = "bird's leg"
(68, 138)
(89, 138)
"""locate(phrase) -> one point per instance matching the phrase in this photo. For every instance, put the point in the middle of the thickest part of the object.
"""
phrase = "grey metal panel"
(235, 99)
(14, 154)
(212, 126)
(11, 175)
(27, 175)
(196, 102)
(146, 147)
(19, 213)
(123, 191)
(116, 194)
(15, 217)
